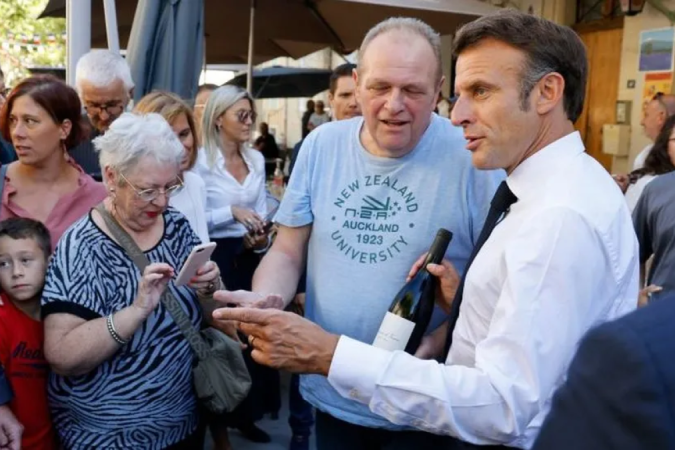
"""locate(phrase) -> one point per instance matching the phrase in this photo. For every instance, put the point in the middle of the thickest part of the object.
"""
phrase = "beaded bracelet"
(113, 331)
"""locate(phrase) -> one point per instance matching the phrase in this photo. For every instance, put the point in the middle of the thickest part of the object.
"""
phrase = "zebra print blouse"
(142, 397)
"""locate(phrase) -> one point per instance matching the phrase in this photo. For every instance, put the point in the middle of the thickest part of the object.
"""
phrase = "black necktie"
(499, 206)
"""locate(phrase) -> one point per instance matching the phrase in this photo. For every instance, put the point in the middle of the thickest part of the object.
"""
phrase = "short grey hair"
(218, 103)
(133, 137)
(101, 68)
(409, 25)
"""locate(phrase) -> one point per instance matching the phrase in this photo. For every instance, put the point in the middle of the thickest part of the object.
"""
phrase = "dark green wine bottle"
(406, 321)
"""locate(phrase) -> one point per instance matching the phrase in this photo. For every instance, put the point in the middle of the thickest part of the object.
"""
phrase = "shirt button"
(354, 394)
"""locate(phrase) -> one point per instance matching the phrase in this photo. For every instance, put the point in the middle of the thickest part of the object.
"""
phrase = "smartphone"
(199, 256)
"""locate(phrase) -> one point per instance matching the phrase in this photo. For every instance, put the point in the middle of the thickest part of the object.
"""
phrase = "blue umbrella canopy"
(166, 46)
(285, 82)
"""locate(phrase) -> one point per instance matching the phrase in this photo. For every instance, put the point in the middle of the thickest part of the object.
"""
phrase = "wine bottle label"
(394, 333)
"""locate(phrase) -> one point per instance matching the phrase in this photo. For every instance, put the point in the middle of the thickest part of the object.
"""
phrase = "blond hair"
(218, 103)
(170, 106)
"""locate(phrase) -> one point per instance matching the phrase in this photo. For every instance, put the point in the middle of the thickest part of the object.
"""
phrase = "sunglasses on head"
(244, 115)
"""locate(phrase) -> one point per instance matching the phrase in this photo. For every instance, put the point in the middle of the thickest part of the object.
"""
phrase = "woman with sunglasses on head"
(42, 119)
(234, 174)
(191, 200)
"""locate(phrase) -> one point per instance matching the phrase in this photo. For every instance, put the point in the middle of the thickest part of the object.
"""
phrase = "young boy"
(24, 252)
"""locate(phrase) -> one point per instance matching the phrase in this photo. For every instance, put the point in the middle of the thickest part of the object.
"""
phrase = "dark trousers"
(237, 266)
(301, 418)
(335, 434)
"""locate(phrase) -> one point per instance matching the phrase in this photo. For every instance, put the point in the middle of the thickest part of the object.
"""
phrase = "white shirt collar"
(536, 169)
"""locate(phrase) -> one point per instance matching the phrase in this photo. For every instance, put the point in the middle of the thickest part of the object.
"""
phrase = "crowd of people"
(527, 348)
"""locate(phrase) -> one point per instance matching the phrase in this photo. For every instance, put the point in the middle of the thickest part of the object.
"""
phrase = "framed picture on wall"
(656, 50)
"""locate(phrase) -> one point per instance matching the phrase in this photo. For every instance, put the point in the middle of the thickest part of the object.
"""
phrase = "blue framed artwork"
(656, 50)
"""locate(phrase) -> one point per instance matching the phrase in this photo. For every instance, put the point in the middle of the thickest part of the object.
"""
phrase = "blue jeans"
(301, 418)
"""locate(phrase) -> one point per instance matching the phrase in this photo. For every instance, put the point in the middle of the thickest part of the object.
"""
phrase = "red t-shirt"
(22, 356)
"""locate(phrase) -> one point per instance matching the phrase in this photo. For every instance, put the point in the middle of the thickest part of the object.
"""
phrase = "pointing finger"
(247, 315)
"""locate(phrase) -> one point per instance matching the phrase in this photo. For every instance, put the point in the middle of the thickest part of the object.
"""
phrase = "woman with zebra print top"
(122, 369)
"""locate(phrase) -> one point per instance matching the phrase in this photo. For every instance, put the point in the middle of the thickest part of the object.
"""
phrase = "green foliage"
(19, 17)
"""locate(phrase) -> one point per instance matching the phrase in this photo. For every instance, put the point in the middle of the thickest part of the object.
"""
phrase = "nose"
(18, 131)
(17, 270)
(395, 101)
(104, 115)
(161, 200)
(461, 114)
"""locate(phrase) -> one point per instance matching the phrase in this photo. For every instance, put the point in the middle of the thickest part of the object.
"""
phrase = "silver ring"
(211, 286)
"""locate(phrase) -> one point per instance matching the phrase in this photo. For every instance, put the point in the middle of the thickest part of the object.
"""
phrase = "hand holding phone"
(199, 256)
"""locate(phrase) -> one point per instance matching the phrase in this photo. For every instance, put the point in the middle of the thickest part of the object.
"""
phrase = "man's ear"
(549, 92)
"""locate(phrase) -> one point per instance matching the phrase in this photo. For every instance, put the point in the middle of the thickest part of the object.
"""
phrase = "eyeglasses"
(148, 195)
(112, 108)
(245, 114)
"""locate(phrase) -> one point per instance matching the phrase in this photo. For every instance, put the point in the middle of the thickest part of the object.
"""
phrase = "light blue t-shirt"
(372, 218)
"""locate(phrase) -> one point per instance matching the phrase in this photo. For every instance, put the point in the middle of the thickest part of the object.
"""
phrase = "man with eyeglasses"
(103, 81)
(655, 114)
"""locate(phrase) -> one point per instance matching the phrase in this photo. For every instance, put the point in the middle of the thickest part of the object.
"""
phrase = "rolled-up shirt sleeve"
(550, 296)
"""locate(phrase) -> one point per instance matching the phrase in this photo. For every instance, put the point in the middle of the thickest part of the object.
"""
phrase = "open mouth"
(395, 123)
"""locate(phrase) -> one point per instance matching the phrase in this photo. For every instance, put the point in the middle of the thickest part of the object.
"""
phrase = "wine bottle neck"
(438, 248)
(435, 256)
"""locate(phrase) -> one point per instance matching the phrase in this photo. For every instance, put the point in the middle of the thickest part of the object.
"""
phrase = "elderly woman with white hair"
(122, 369)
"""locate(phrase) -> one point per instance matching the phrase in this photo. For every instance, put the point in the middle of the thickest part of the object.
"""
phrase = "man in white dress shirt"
(562, 259)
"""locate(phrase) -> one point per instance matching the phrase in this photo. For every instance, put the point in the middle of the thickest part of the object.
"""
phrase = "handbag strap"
(197, 343)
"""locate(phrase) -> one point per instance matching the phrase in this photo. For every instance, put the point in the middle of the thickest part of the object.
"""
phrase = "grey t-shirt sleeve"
(641, 222)
(296, 207)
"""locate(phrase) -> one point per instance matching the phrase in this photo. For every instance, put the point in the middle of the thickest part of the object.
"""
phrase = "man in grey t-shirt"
(365, 200)
(654, 220)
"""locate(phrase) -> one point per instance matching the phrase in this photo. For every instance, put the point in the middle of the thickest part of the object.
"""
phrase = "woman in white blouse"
(660, 160)
(234, 175)
(191, 200)
(236, 205)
